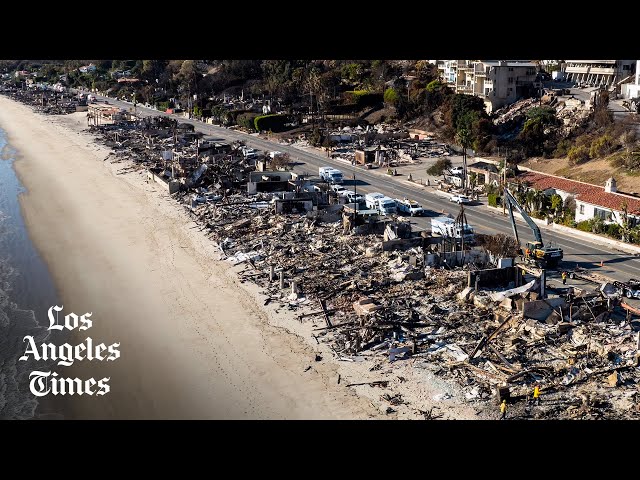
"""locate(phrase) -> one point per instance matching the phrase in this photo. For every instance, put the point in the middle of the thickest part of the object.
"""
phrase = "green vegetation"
(438, 168)
(363, 98)
(273, 123)
(578, 155)
(391, 96)
(247, 120)
(494, 200)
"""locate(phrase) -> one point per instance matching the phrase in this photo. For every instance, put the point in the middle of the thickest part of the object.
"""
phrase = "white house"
(591, 200)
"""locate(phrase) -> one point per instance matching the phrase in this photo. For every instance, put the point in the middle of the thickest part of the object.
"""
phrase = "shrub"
(363, 98)
(246, 120)
(494, 199)
(578, 155)
(562, 148)
(614, 230)
(601, 146)
(584, 226)
(391, 96)
(618, 160)
(274, 122)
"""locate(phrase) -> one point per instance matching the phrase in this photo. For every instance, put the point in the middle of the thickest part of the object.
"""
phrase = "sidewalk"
(592, 237)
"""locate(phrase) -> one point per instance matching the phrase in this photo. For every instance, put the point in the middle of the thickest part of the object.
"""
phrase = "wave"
(16, 400)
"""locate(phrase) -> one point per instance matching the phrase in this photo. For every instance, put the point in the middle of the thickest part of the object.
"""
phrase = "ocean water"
(26, 293)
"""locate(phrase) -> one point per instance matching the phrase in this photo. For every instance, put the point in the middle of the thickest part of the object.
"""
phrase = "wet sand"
(194, 344)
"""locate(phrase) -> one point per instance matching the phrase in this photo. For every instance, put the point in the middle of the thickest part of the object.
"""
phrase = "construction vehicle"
(543, 256)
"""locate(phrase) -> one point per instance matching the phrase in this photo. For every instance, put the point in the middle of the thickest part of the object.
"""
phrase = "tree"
(556, 204)
(463, 137)
(438, 168)
(625, 225)
(539, 119)
(281, 162)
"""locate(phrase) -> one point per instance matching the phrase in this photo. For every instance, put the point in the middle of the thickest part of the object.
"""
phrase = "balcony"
(602, 71)
(464, 89)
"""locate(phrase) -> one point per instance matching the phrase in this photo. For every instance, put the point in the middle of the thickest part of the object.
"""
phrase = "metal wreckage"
(381, 293)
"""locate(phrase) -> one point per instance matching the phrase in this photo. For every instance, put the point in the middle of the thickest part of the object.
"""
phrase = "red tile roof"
(584, 192)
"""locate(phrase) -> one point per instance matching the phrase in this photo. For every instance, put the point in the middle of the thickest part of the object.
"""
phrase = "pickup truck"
(338, 189)
(353, 197)
(411, 207)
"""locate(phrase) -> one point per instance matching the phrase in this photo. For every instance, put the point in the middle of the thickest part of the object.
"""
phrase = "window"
(510, 79)
(511, 69)
(581, 209)
(626, 67)
(603, 214)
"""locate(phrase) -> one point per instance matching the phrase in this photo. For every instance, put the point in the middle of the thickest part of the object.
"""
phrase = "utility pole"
(355, 207)
(504, 184)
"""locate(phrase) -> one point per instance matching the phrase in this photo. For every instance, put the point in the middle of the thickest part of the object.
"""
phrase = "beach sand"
(193, 343)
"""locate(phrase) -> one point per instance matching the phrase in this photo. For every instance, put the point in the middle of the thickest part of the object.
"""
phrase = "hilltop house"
(591, 200)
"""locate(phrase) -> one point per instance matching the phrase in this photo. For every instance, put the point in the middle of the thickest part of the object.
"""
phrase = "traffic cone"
(601, 263)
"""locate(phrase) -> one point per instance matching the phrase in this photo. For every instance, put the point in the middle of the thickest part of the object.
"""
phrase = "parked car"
(353, 197)
(345, 193)
(338, 188)
(459, 199)
(456, 171)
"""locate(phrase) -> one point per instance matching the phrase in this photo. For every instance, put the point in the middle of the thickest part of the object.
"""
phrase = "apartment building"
(497, 82)
(597, 73)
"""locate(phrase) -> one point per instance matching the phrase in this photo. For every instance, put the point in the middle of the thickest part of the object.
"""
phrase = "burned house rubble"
(47, 101)
(377, 291)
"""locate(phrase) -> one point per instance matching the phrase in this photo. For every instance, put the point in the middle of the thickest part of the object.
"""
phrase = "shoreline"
(139, 272)
(276, 331)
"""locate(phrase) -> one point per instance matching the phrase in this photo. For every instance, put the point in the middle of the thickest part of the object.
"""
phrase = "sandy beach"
(193, 343)
(197, 342)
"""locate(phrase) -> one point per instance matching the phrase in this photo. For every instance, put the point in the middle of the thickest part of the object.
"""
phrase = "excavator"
(535, 252)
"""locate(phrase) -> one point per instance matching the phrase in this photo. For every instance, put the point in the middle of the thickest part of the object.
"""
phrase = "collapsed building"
(385, 293)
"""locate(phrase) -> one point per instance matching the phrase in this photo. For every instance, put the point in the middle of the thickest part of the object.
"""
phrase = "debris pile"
(45, 101)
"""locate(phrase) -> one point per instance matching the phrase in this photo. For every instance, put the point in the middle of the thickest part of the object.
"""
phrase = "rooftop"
(489, 167)
(496, 63)
(584, 192)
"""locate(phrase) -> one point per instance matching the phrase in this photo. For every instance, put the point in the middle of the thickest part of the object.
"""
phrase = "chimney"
(610, 185)
(502, 63)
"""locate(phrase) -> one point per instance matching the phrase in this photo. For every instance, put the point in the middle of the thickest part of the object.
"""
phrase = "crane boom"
(512, 202)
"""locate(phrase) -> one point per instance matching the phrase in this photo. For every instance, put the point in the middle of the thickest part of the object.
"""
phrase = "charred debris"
(377, 291)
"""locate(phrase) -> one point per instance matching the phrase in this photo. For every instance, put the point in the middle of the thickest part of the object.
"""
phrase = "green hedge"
(363, 98)
(247, 120)
(274, 122)
(494, 199)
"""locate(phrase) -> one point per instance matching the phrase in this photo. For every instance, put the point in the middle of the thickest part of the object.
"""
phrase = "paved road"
(577, 251)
